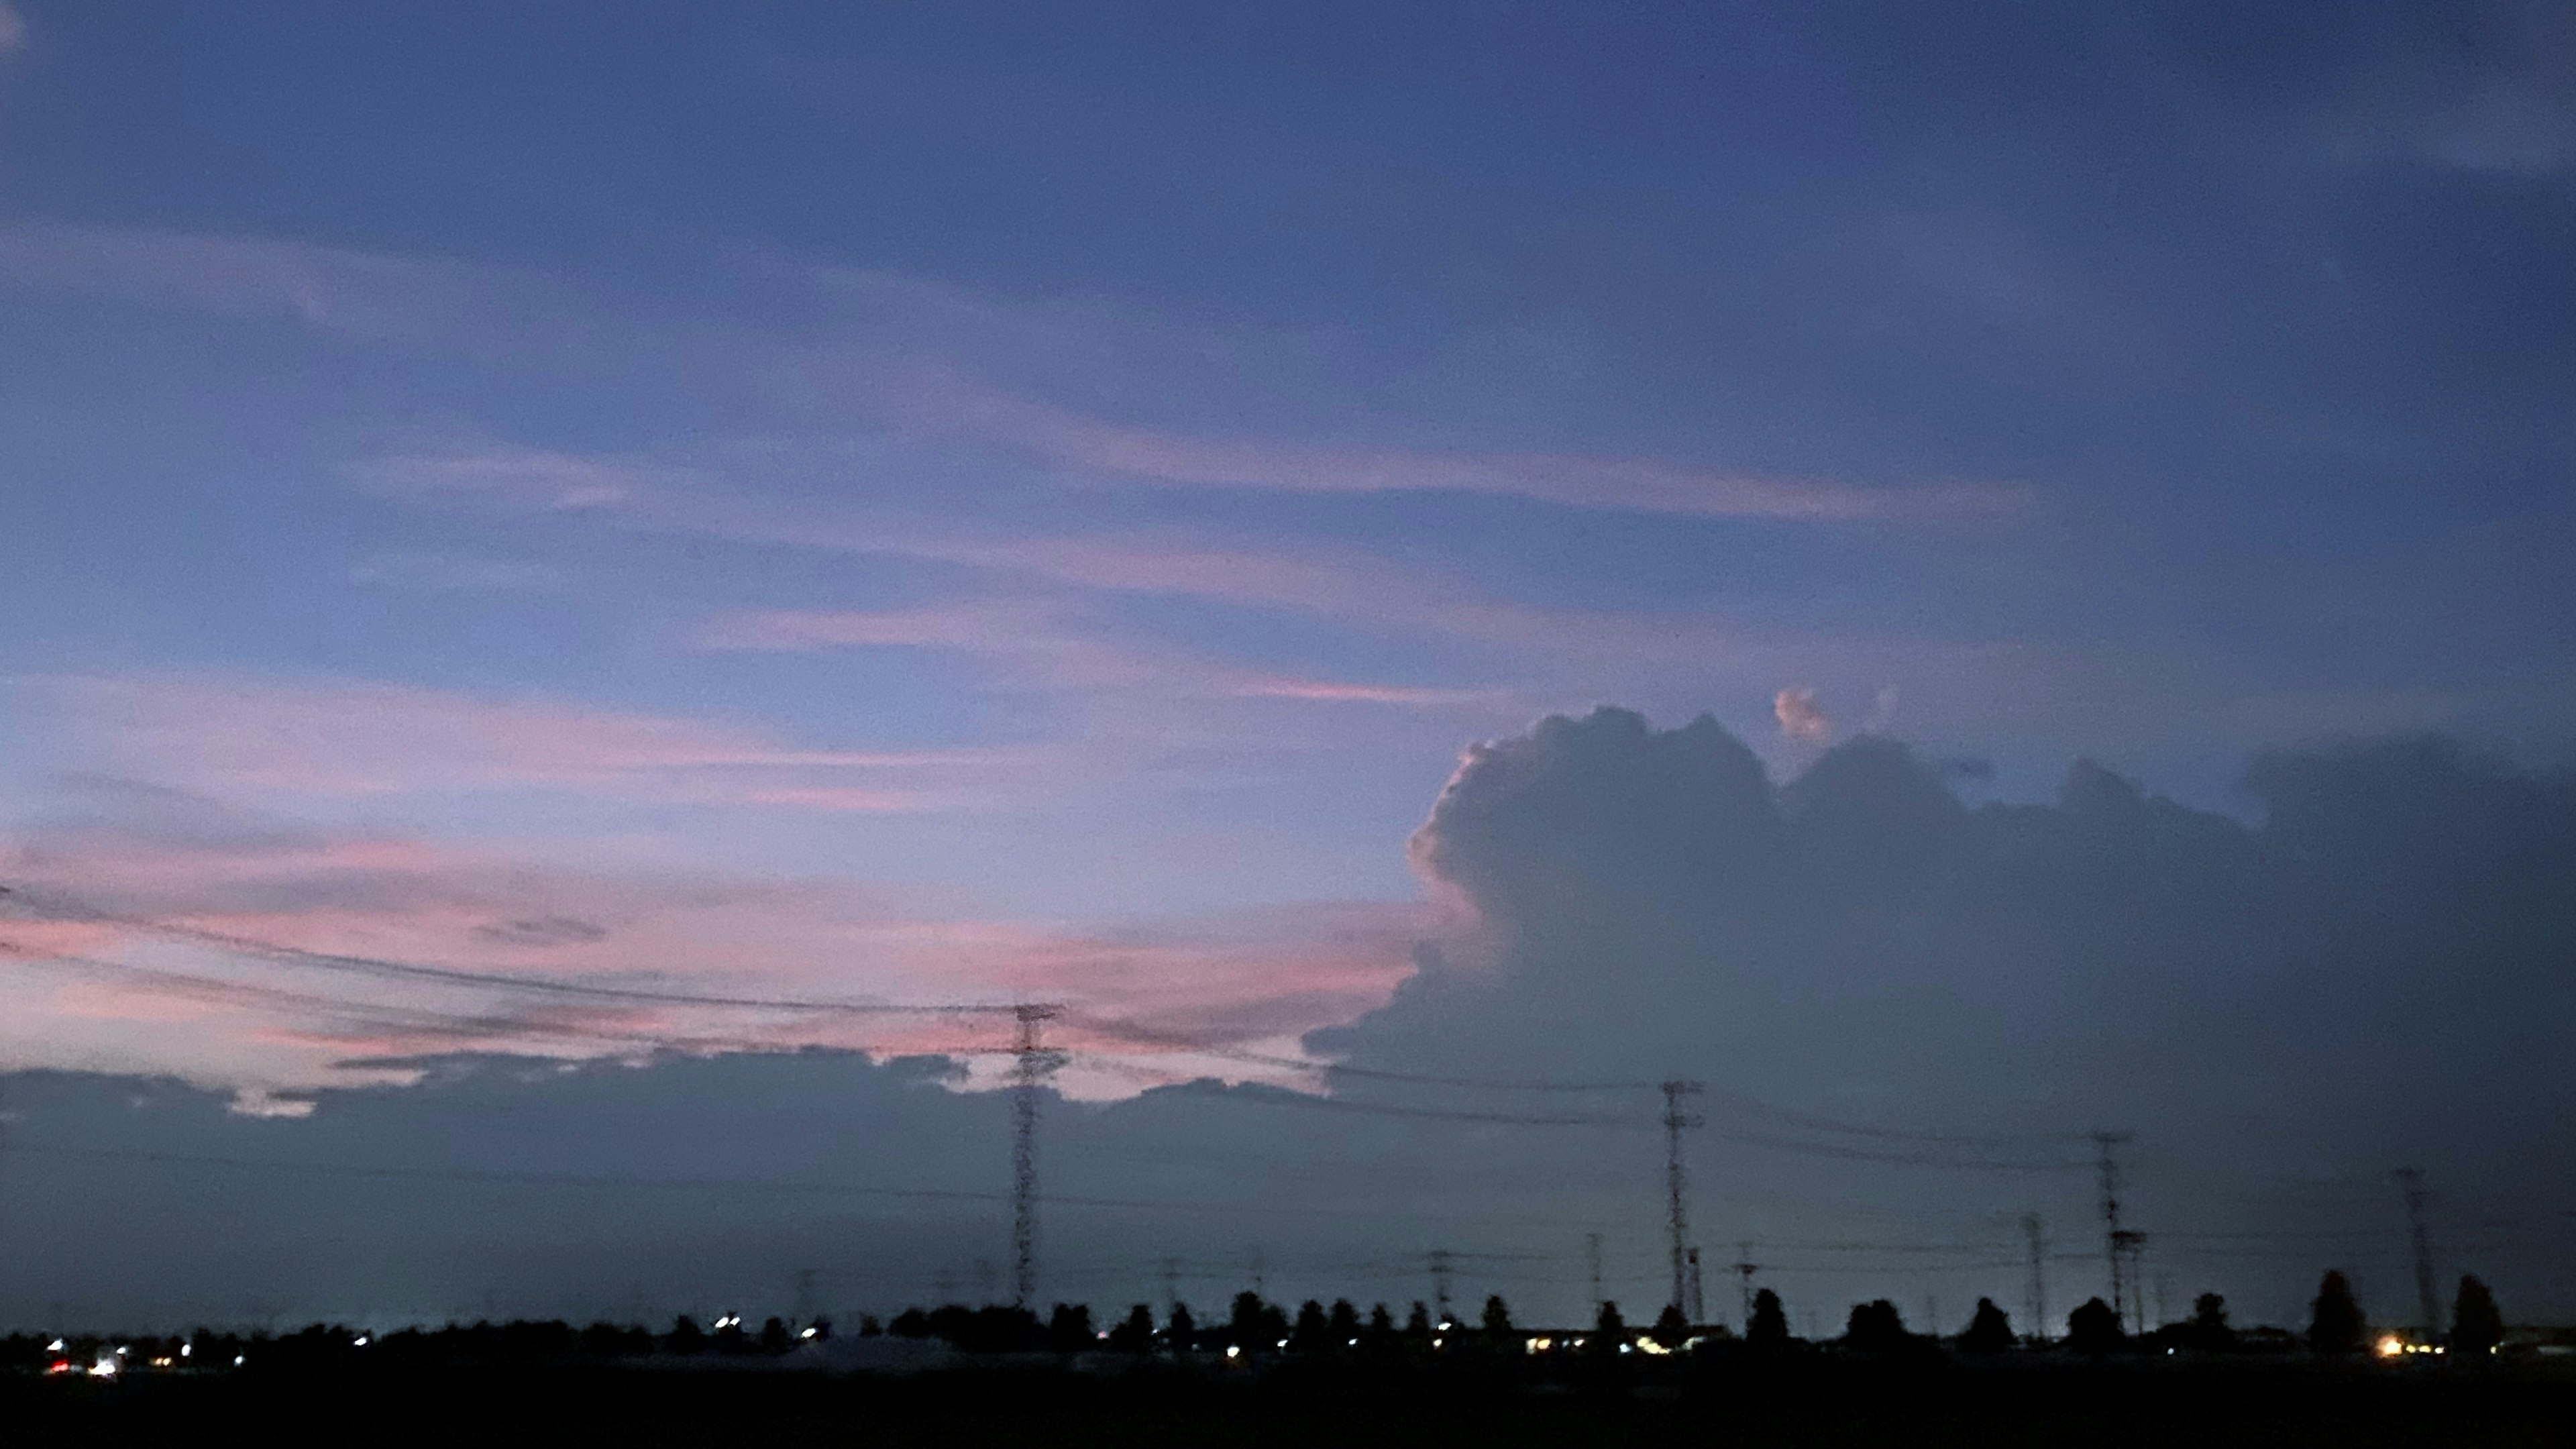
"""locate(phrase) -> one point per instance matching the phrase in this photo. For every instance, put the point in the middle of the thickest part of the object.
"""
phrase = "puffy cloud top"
(2387, 950)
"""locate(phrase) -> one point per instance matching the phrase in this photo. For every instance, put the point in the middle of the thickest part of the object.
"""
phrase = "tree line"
(1256, 1328)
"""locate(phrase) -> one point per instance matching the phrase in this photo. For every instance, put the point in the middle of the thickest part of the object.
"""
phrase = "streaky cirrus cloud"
(451, 573)
(377, 298)
(1641, 485)
(1048, 643)
(905, 384)
(323, 738)
(1331, 581)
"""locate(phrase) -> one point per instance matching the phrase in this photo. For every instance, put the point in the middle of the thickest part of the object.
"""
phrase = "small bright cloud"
(13, 28)
(1801, 718)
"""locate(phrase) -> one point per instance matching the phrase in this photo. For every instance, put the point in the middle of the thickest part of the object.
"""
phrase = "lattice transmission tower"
(1677, 1185)
(1031, 1065)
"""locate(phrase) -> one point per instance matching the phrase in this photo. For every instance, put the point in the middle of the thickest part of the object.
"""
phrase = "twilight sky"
(983, 501)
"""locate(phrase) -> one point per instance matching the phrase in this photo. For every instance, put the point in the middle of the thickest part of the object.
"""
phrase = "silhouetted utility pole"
(1745, 1268)
(2118, 1244)
(2420, 1238)
(2037, 1304)
(804, 1296)
(1260, 1273)
(1677, 1184)
(1592, 1260)
(1439, 1263)
(1030, 1066)
(1171, 1287)
(1698, 1305)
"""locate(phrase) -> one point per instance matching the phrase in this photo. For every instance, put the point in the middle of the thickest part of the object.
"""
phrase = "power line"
(456, 976)
(483, 1026)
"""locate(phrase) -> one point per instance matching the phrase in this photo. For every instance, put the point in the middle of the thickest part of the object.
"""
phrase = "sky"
(2068, 511)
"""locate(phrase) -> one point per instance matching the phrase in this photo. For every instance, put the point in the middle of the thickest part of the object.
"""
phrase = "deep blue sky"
(950, 500)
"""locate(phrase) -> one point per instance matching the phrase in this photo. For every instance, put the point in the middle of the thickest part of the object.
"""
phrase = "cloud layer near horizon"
(1908, 1012)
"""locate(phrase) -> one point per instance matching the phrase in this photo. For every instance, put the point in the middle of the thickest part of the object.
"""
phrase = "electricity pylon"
(1031, 1064)
(1677, 1185)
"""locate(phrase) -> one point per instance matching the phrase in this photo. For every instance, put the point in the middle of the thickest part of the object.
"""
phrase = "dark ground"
(1789, 1405)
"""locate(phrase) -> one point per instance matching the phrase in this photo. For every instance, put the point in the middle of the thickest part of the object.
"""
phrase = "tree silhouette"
(1381, 1328)
(2335, 1324)
(1069, 1328)
(2476, 1326)
(2094, 1328)
(1609, 1330)
(686, 1336)
(1417, 1326)
(1136, 1333)
(1344, 1324)
(1312, 1333)
(773, 1335)
(910, 1323)
(1182, 1331)
(1672, 1329)
(1498, 1321)
(2209, 1330)
(1989, 1329)
(1255, 1326)
(1876, 1327)
(1770, 1322)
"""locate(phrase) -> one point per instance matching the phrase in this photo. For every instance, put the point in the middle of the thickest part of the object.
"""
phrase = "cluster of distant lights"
(110, 1364)
(113, 1362)
(1545, 1343)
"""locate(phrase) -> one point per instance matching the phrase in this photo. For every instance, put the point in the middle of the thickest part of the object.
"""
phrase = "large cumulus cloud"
(2389, 942)
(2377, 972)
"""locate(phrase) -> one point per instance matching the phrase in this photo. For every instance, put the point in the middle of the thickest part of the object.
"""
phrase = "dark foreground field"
(2276, 1408)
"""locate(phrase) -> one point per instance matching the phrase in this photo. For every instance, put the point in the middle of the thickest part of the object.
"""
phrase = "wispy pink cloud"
(1642, 485)
(527, 477)
(1051, 644)
(238, 734)
(1561, 656)
(1339, 691)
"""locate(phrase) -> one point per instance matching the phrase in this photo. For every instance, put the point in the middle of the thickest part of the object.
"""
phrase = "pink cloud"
(1801, 719)
(1050, 644)
(1028, 627)
(1333, 691)
(527, 476)
(355, 739)
(1247, 976)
